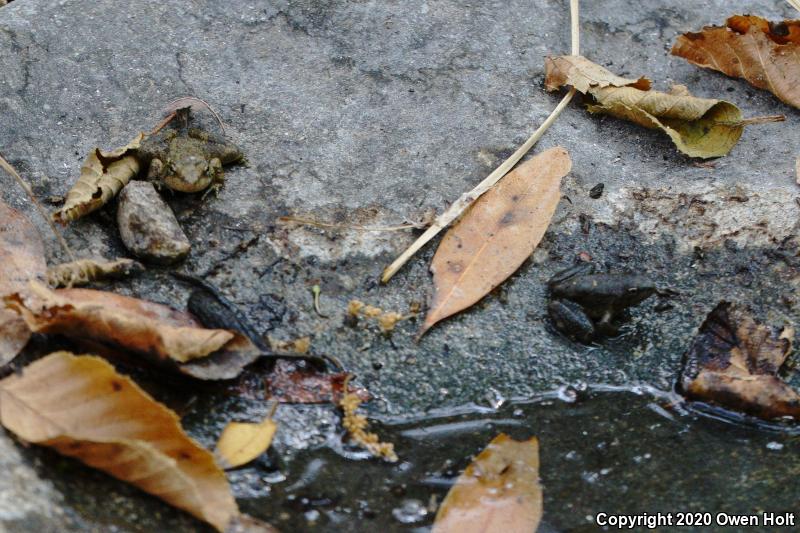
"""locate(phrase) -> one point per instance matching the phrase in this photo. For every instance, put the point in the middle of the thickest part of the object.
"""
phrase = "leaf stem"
(27, 188)
(467, 199)
(755, 120)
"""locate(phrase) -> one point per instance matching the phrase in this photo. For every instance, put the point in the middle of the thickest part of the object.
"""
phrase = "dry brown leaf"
(241, 442)
(83, 408)
(764, 53)
(734, 362)
(134, 324)
(499, 491)
(103, 175)
(496, 235)
(21, 252)
(699, 127)
(289, 384)
(83, 271)
(21, 261)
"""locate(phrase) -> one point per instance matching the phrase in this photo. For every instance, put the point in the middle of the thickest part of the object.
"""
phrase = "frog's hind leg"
(571, 320)
(217, 177)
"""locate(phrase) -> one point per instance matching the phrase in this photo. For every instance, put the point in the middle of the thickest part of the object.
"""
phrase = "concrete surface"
(373, 113)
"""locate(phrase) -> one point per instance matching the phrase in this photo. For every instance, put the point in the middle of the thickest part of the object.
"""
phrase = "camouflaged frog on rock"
(187, 159)
(585, 304)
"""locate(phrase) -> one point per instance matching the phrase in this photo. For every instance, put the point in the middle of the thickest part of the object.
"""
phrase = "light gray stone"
(148, 226)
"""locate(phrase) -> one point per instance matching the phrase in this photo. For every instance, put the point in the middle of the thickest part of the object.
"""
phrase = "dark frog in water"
(187, 159)
(585, 304)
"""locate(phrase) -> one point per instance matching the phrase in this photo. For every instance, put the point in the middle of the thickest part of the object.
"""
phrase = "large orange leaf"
(499, 491)
(135, 324)
(764, 53)
(497, 234)
(83, 408)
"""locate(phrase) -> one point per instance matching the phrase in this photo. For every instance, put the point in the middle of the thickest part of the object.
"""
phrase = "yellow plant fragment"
(241, 442)
(499, 491)
(103, 175)
(356, 425)
(84, 271)
(699, 127)
(81, 407)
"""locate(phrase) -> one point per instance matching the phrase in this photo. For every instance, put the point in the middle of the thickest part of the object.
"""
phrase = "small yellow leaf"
(498, 492)
(103, 175)
(241, 442)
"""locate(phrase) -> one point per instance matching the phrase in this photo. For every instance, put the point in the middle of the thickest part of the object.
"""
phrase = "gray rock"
(148, 226)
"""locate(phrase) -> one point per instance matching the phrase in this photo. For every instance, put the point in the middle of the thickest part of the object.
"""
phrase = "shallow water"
(602, 450)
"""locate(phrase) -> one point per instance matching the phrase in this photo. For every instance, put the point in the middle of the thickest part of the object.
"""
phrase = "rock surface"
(369, 114)
(148, 226)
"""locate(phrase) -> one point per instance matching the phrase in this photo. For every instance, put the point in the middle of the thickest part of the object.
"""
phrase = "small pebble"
(148, 226)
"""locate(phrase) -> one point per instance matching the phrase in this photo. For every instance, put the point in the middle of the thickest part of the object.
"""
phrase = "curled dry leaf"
(83, 408)
(499, 491)
(134, 324)
(21, 261)
(103, 175)
(241, 442)
(699, 127)
(496, 235)
(734, 362)
(84, 271)
(767, 54)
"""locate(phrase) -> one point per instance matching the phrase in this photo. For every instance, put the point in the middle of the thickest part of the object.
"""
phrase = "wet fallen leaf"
(496, 235)
(21, 260)
(103, 175)
(699, 127)
(734, 362)
(241, 442)
(289, 384)
(133, 324)
(499, 491)
(84, 271)
(767, 54)
(83, 408)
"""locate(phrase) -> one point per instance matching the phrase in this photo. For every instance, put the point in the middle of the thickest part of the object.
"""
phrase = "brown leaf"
(103, 175)
(734, 362)
(83, 408)
(84, 271)
(499, 491)
(14, 335)
(289, 384)
(496, 235)
(699, 127)
(21, 260)
(21, 252)
(764, 53)
(134, 324)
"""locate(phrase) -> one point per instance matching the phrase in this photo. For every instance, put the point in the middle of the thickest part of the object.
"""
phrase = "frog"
(187, 159)
(586, 304)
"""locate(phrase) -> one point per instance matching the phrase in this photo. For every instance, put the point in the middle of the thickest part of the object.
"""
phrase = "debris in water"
(734, 362)
(356, 425)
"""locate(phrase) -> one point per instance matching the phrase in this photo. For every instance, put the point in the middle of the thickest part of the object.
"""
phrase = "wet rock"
(147, 225)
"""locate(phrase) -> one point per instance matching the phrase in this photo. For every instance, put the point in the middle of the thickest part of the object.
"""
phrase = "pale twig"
(27, 188)
(467, 199)
(795, 4)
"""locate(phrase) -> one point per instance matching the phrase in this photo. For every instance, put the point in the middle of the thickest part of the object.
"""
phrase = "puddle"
(602, 450)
